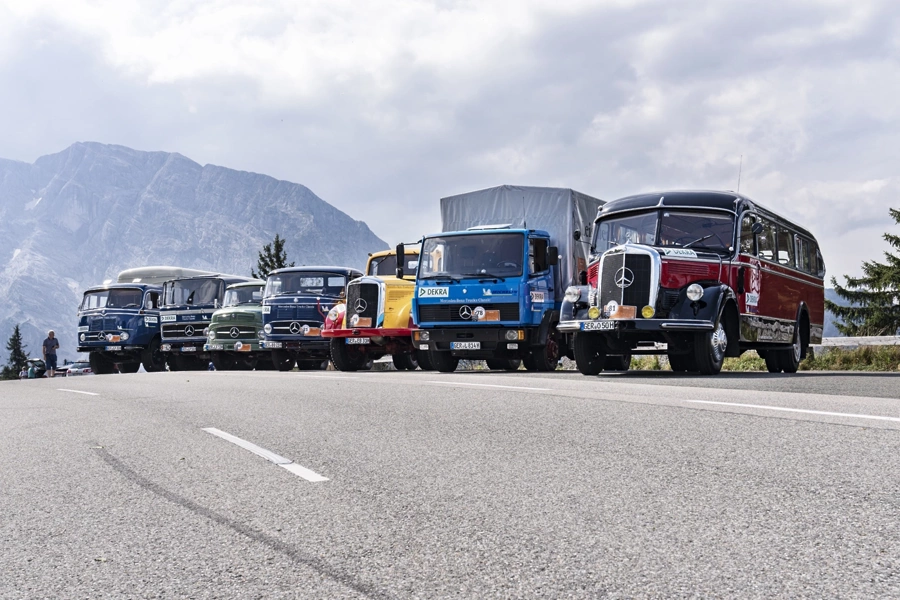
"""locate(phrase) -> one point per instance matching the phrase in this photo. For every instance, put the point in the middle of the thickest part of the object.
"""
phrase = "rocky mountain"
(77, 218)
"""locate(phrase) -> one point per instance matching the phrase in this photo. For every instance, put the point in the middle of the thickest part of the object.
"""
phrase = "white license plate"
(114, 348)
(189, 349)
(359, 341)
(215, 346)
(465, 345)
(598, 325)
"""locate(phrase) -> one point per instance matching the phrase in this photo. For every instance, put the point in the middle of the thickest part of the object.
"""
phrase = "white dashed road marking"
(488, 385)
(799, 410)
(270, 456)
(76, 392)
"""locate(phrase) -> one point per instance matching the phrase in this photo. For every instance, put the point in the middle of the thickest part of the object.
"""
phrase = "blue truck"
(491, 285)
(187, 306)
(118, 322)
(296, 302)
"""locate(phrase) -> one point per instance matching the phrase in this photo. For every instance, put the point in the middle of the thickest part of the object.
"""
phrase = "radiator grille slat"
(432, 313)
(617, 270)
(362, 300)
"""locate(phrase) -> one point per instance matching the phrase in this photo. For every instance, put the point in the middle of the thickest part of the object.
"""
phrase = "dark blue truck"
(491, 285)
(295, 304)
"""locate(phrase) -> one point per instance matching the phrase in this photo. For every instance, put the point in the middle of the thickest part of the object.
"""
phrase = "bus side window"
(785, 247)
(803, 262)
(820, 264)
(765, 241)
(747, 241)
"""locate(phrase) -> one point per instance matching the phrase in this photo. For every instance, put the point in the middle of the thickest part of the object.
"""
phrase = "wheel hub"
(719, 342)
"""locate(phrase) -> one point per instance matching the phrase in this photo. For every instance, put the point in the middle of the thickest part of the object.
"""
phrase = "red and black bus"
(709, 274)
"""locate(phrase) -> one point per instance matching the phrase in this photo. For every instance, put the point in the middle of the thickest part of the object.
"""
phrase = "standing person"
(50, 346)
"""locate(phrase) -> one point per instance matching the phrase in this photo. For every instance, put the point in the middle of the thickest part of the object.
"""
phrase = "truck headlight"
(268, 328)
(424, 336)
(694, 292)
(82, 337)
(260, 334)
(512, 334)
(212, 334)
(333, 314)
(354, 320)
(573, 294)
(206, 331)
(124, 336)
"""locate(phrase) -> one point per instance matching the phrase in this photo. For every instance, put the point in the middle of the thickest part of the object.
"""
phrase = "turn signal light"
(593, 312)
(647, 312)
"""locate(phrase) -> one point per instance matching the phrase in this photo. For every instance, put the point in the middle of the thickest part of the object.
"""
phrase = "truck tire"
(424, 360)
(129, 367)
(543, 358)
(310, 365)
(152, 359)
(404, 362)
(283, 360)
(590, 353)
(786, 360)
(443, 361)
(618, 362)
(223, 362)
(709, 349)
(346, 358)
(100, 365)
(503, 364)
(682, 362)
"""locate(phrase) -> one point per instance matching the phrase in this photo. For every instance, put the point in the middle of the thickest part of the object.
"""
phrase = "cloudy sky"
(383, 107)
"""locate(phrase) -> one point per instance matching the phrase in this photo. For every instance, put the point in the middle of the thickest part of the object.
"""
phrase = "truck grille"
(433, 313)
(243, 333)
(618, 269)
(102, 323)
(362, 300)
(180, 330)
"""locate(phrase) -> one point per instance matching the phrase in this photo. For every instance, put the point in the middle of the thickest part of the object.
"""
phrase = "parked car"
(39, 366)
(79, 368)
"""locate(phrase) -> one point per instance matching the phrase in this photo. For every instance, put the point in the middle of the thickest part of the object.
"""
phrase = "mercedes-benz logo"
(234, 332)
(465, 312)
(295, 328)
(624, 277)
(189, 331)
(360, 305)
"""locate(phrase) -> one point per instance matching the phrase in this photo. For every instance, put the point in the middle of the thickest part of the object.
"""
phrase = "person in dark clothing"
(51, 344)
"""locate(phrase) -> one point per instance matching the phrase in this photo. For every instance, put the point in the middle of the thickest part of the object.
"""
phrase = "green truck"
(235, 330)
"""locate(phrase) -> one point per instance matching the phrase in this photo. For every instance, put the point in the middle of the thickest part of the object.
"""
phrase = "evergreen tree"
(272, 257)
(874, 297)
(17, 357)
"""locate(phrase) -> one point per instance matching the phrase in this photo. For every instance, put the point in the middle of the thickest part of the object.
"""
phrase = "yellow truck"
(376, 318)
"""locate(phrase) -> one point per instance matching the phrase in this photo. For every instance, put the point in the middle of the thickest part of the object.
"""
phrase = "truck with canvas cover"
(236, 330)
(296, 302)
(491, 285)
(376, 319)
(187, 307)
(118, 322)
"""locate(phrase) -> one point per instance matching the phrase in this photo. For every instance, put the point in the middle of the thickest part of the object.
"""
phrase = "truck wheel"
(283, 360)
(444, 361)
(503, 364)
(544, 358)
(223, 362)
(129, 367)
(346, 358)
(682, 362)
(152, 359)
(709, 349)
(590, 353)
(424, 360)
(404, 362)
(309, 365)
(618, 362)
(100, 365)
(773, 361)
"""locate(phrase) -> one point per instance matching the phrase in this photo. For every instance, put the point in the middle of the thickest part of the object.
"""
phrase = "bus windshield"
(116, 298)
(484, 254)
(243, 295)
(328, 284)
(668, 228)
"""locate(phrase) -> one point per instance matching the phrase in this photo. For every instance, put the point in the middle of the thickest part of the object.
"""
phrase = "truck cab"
(186, 311)
(488, 293)
(118, 326)
(377, 317)
(296, 303)
(236, 330)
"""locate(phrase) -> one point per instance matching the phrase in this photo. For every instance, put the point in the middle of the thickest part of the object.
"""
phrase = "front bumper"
(489, 339)
(231, 346)
(310, 345)
(193, 348)
(635, 325)
(368, 332)
(115, 348)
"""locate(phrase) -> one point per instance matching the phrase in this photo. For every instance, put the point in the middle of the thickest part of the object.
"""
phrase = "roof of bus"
(121, 286)
(341, 270)
(251, 283)
(721, 200)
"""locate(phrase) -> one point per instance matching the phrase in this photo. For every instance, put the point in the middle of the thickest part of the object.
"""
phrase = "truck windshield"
(191, 292)
(118, 298)
(329, 284)
(386, 266)
(474, 255)
(667, 228)
(243, 295)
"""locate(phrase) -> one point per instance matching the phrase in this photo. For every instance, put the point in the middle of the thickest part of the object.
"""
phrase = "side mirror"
(582, 278)
(577, 235)
(401, 260)
(552, 256)
(756, 228)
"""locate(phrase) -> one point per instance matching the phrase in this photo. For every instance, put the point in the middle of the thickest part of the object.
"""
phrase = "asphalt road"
(470, 485)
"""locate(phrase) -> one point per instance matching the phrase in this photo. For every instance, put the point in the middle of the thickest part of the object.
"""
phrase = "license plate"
(215, 347)
(359, 341)
(598, 325)
(465, 345)
(189, 349)
(114, 348)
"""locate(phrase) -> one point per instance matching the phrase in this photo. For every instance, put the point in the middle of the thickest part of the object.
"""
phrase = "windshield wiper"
(485, 276)
(705, 237)
(441, 276)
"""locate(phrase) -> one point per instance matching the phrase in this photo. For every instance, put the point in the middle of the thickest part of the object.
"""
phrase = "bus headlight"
(268, 328)
(573, 294)
(694, 292)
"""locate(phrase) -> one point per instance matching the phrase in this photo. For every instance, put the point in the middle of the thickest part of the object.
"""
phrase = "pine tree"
(874, 297)
(18, 359)
(272, 257)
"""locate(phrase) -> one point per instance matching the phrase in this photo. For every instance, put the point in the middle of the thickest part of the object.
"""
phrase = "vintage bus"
(700, 276)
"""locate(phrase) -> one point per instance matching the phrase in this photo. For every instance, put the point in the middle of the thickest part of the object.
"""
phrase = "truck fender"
(706, 308)
(569, 310)
(550, 318)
